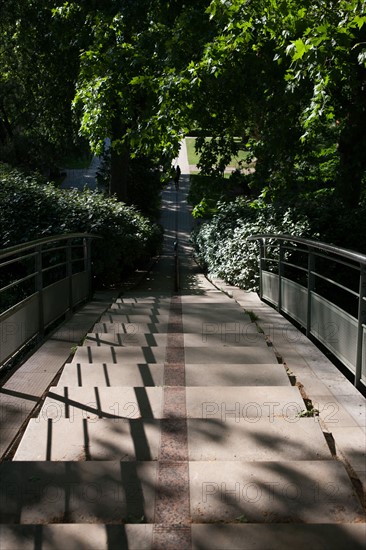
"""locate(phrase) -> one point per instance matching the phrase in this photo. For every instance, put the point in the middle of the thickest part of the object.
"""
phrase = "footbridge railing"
(323, 288)
(41, 282)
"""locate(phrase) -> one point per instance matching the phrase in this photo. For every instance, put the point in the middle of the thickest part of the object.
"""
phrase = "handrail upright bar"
(280, 275)
(88, 264)
(361, 322)
(262, 259)
(69, 275)
(39, 289)
(310, 289)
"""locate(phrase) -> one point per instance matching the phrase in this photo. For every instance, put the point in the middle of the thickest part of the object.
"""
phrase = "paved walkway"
(179, 425)
(81, 178)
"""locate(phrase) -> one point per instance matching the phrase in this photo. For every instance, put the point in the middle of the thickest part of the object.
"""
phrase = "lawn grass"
(77, 162)
(193, 157)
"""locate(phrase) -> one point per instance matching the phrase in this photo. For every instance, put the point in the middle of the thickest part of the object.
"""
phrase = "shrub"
(221, 244)
(32, 208)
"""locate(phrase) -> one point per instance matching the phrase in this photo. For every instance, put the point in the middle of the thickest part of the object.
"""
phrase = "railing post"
(311, 286)
(69, 275)
(39, 290)
(262, 257)
(361, 322)
(280, 275)
(87, 264)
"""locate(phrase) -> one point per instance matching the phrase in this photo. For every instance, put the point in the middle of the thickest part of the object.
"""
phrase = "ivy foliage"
(128, 238)
(221, 242)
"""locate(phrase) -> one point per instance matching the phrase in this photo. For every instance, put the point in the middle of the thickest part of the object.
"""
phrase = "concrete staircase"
(175, 427)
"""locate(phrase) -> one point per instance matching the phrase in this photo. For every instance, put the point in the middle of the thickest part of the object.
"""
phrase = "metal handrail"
(345, 252)
(30, 312)
(308, 306)
(45, 240)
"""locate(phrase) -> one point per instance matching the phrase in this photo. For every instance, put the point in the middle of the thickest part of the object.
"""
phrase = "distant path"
(84, 177)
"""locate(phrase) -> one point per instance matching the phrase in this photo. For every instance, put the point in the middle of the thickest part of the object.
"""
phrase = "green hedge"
(221, 243)
(32, 208)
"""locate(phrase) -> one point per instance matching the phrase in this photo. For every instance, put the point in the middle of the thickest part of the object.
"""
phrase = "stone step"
(110, 492)
(196, 316)
(115, 492)
(210, 440)
(244, 403)
(212, 402)
(278, 536)
(272, 492)
(209, 297)
(193, 354)
(220, 536)
(230, 354)
(250, 338)
(140, 309)
(114, 322)
(130, 328)
(76, 537)
(145, 297)
(106, 375)
(144, 374)
(114, 316)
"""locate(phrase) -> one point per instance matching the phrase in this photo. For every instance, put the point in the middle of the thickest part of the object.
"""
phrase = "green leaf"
(301, 48)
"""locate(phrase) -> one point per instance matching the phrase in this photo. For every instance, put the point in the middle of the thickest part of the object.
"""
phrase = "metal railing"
(323, 288)
(41, 282)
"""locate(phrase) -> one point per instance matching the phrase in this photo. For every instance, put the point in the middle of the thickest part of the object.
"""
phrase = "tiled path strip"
(172, 512)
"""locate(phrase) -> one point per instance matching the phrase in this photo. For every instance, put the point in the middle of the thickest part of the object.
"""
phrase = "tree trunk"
(352, 146)
(120, 159)
(120, 172)
(352, 167)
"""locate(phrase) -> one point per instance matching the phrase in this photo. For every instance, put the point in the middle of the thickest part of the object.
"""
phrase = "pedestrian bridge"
(184, 413)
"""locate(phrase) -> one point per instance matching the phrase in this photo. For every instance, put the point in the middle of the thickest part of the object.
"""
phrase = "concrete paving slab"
(332, 413)
(77, 492)
(313, 386)
(356, 406)
(351, 442)
(112, 354)
(244, 404)
(218, 440)
(273, 492)
(232, 354)
(236, 375)
(83, 439)
(106, 375)
(94, 403)
(278, 537)
(76, 537)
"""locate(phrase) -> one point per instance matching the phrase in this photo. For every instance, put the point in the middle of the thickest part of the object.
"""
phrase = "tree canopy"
(284, 80)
